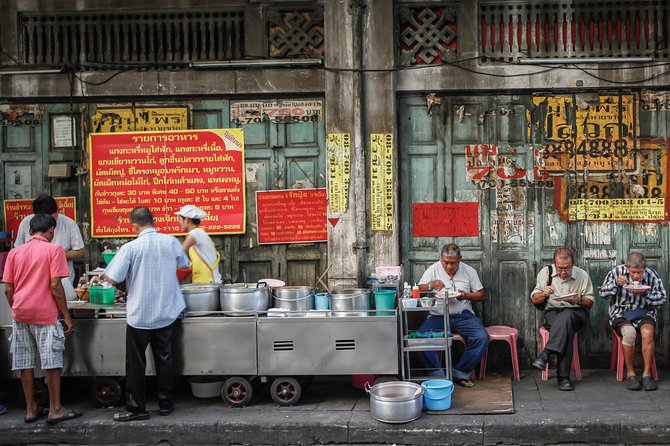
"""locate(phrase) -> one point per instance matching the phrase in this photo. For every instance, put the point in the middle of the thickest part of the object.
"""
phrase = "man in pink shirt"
(34, 290)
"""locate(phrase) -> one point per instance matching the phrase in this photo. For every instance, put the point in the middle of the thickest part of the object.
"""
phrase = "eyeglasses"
(564, 269)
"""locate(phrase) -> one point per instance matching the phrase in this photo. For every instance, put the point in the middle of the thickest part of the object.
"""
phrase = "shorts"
(618, 322)
(29, 339)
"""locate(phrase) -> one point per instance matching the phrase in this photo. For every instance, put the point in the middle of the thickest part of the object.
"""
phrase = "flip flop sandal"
(41, 412)
(465, 383)
(131, 416)
(69, 415)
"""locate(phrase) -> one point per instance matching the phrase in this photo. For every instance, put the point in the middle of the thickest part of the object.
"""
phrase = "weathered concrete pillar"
(343, 115)
(380, 115)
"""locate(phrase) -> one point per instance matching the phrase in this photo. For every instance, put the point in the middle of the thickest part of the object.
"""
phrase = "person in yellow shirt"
(199, 246)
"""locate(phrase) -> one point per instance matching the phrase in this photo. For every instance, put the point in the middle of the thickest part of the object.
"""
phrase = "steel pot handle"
(264, 283)
(367, 387)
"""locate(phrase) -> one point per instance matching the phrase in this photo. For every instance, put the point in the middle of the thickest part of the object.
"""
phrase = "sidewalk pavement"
(599, 411)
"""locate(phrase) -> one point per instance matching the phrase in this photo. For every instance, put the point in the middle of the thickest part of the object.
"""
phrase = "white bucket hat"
(190, 211)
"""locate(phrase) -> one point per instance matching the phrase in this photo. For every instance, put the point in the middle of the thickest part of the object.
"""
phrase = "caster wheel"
(236, 392)
(106, 392)
(285, 391)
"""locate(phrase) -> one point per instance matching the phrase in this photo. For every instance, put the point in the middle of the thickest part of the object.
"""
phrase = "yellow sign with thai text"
(381, 181)
(617, 209)
(139, 119)
(338, 146)
(586, 136)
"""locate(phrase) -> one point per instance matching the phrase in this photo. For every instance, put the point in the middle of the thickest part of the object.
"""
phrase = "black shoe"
(541, 361)
(164, 411)
(632, 383)
(565, 384)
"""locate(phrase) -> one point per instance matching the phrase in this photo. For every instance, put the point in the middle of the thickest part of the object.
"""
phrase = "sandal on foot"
(648, 383)
(632, 383)
(68, 415)
(130, 416)
(464, 382)
(41, 412)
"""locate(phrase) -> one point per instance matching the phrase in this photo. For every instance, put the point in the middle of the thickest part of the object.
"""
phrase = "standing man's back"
(148, 264)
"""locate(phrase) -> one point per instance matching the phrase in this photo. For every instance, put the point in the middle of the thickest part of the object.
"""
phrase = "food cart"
(278, 350)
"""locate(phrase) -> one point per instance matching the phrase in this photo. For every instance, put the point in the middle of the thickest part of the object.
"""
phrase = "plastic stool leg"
(482, 365)
(619, 360)
(575, 358)
(615, 352)
(515, 358)
(545, 339)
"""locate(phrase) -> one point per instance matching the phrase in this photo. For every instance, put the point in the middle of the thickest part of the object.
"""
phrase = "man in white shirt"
(66, 234)
(464, 286)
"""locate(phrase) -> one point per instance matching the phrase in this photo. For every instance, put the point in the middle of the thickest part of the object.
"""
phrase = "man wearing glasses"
(565, 292)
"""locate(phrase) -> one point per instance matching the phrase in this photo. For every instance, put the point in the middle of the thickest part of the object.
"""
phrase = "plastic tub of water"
(437, 394)
(206, 386)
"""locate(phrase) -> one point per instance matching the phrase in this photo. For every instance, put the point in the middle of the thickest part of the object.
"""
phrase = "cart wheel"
(40, 393)
(285, 391)
(236, 392)
(106, 391)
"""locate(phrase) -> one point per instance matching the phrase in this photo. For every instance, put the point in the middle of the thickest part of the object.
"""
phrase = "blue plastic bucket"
(384, 300)
(437, 394)
(322, 301)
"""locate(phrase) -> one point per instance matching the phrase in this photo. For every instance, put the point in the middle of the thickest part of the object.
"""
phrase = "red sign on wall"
(445, 219)
(292, 216)
(17, 210)
(165, 171)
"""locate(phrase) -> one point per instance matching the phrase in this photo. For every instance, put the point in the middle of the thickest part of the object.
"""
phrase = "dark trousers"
(137, 340)
(562, 325)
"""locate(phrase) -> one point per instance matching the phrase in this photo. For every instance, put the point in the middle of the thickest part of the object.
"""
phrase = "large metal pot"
(241, 300)
(395, 402)
(295, 298)
(350, 302)
(201, 298)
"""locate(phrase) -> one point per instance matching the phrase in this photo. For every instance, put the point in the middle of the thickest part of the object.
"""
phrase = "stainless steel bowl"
(242, 300)
(201, 298)
(396, 402)
(350, 302)
(293, 298)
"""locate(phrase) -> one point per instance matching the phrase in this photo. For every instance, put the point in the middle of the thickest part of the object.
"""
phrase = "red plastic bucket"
(358, 381)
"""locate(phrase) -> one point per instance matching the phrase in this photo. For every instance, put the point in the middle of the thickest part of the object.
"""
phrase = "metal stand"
(408, 345)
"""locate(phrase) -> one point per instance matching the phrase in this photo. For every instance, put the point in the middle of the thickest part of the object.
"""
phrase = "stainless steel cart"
(276, 349)
(308, 346)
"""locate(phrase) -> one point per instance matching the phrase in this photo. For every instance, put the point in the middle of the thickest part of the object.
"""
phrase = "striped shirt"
(621, 300)
(149, 264)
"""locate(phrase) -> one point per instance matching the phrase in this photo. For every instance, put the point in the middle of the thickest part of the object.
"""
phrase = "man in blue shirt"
(148, 264)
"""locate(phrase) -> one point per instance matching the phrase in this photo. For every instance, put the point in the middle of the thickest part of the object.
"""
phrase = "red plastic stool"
(617, 358)
(509, 335)
(575, 355)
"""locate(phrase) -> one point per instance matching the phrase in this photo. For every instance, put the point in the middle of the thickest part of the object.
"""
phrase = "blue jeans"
(471, 328)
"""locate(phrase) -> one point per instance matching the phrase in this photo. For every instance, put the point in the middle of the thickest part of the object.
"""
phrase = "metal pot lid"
(199, 287)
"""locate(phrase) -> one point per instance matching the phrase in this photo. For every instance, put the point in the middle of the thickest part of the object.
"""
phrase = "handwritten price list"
(381, 181)
(165, 171)
(291, 216)
(617, 209)
(339, 170)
